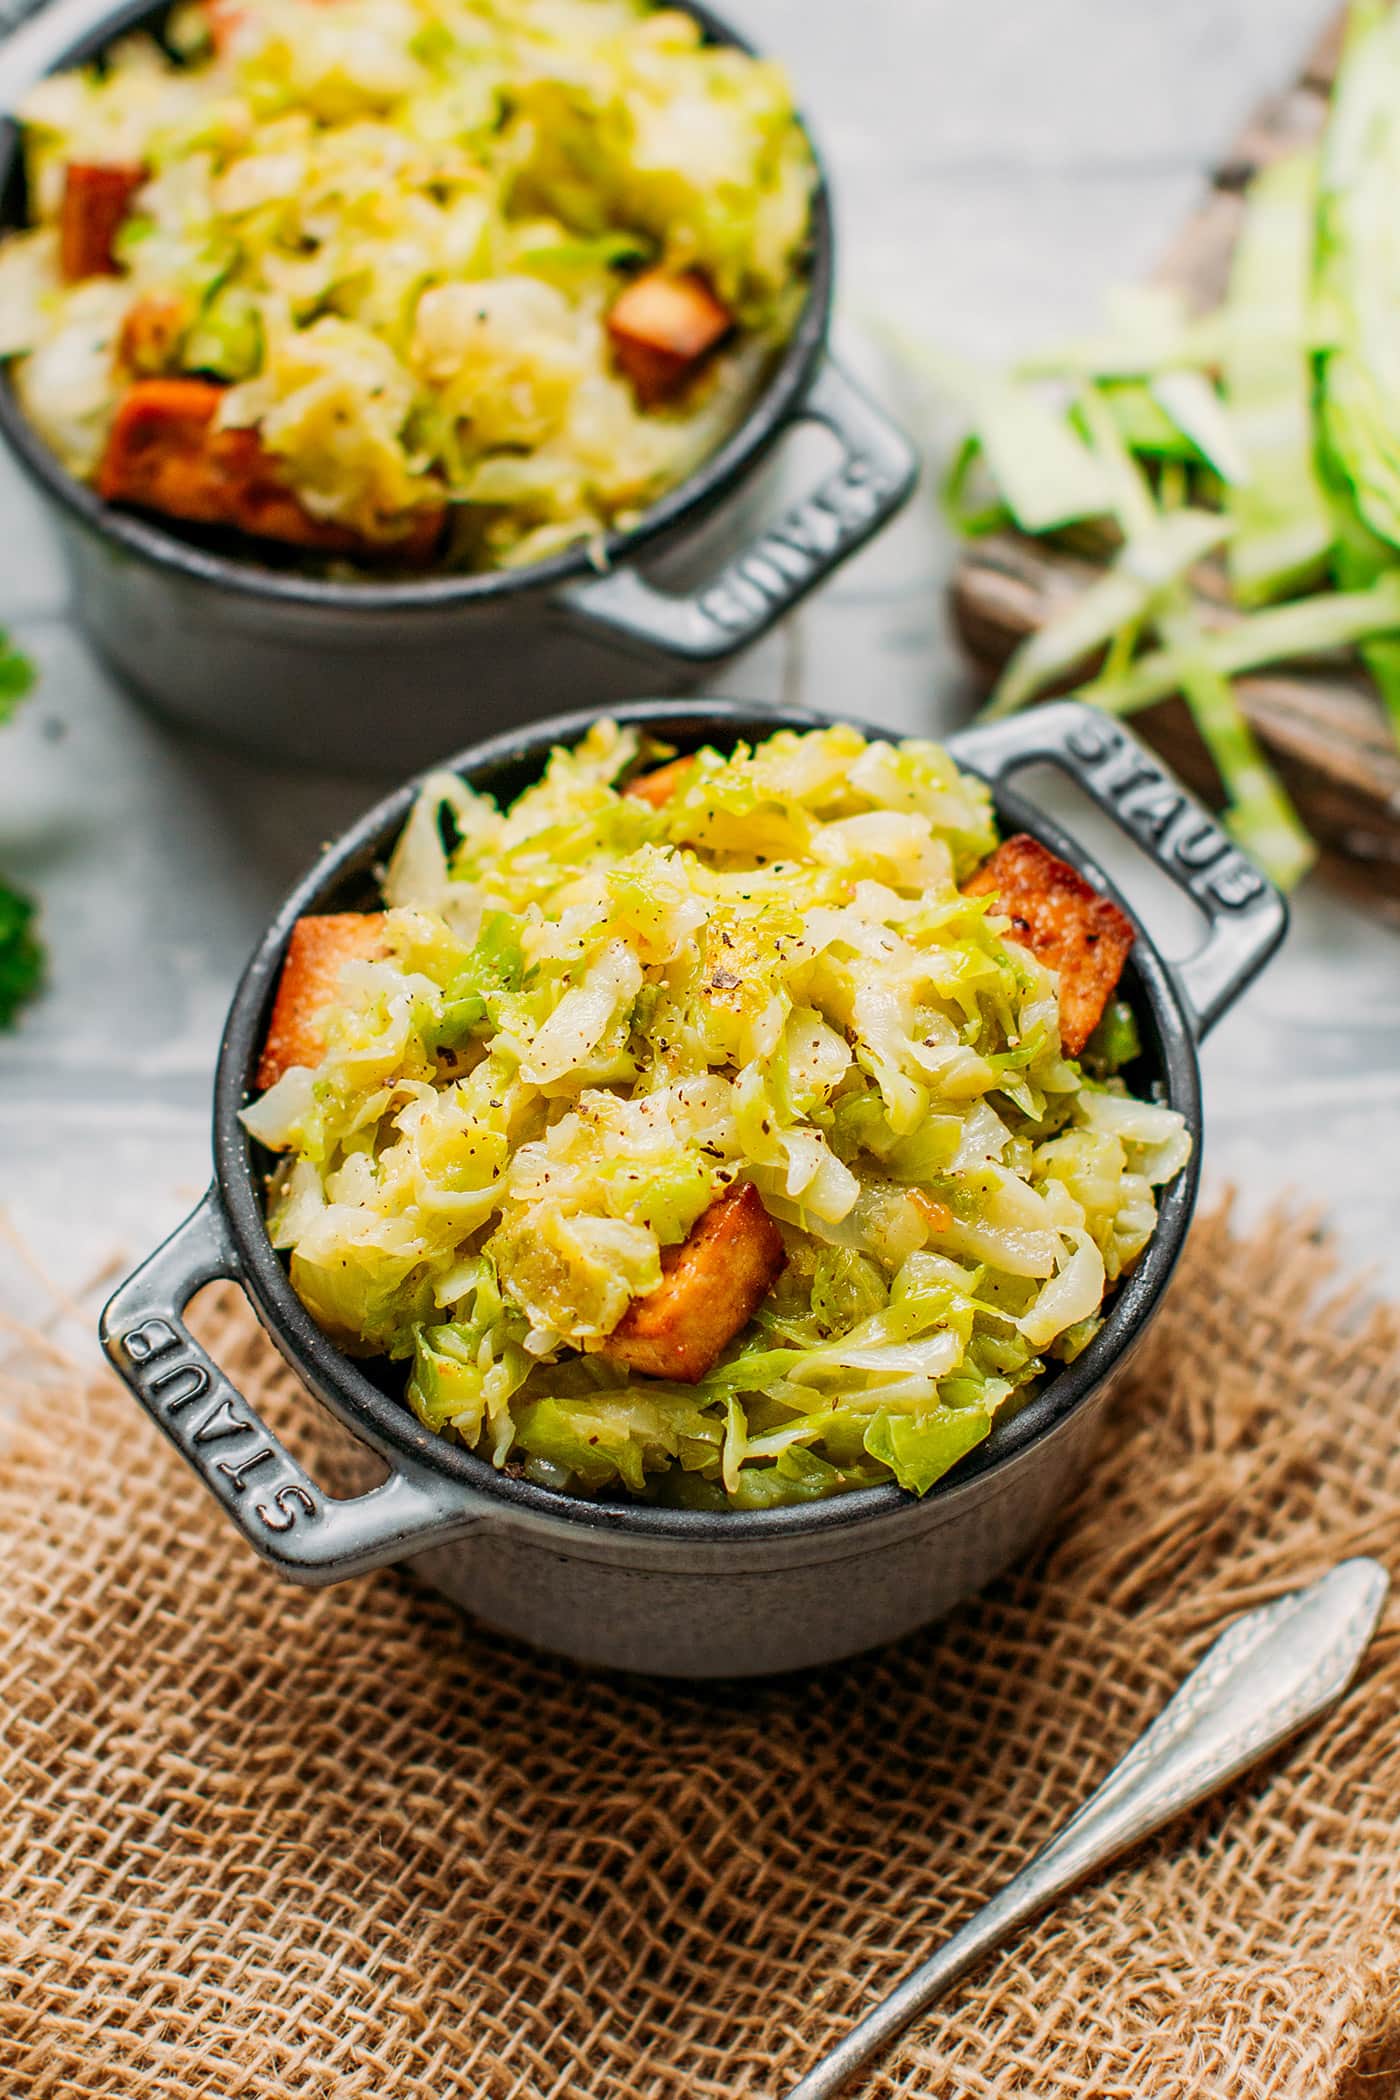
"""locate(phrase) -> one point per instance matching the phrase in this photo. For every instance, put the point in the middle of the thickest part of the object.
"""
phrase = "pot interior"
(368, 1397)
(220, 558)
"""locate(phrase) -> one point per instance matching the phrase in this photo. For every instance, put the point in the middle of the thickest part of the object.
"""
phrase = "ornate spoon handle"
(1262, 1680)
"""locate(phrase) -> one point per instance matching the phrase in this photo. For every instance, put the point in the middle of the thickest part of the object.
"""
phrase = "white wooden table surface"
(996, 168)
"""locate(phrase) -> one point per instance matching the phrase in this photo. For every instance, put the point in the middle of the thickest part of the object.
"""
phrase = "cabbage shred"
(395, 229)
(595, 1015)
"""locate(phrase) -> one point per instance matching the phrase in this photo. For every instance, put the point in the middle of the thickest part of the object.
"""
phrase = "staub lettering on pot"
(166, 1371)
(793, 552)
(1159, 813)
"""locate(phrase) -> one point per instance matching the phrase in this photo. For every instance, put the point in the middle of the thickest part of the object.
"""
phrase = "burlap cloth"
(276, 1844)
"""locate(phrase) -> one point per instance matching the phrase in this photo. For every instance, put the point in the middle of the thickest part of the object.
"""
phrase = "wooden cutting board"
(1323, 727)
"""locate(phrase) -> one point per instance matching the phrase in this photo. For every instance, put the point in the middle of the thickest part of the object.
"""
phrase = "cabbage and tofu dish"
(453, 282)
(729, 1131)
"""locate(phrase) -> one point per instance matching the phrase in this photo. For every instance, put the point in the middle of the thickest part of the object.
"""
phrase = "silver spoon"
(1272, 1672)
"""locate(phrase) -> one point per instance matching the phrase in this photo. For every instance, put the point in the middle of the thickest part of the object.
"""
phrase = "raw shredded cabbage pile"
(1240, 467)
(396, 226)
(597, 1014)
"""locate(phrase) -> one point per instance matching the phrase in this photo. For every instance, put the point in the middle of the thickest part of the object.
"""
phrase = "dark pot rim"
(345, 876)
(692, 499)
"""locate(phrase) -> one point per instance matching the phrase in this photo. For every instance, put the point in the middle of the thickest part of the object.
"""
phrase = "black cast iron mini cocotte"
(383, 675)
(679, 1592)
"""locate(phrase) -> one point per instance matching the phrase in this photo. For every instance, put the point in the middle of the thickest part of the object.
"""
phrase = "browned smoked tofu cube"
(316, 953)
(713, 1285)
(152, 332)
(658, 786)
(1065, 923)
(663, 327)
(167, 452)
(225, 19)
(96, 197)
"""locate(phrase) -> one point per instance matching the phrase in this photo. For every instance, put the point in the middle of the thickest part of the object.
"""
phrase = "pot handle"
(304, 1533)
(1247, 915)
(34, 34)
(877, 473)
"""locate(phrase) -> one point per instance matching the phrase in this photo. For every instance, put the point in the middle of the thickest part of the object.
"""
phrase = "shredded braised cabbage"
(395, 228)
(596, 1014)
